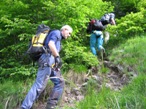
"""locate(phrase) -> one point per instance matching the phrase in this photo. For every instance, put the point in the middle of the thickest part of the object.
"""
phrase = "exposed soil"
(115, 77)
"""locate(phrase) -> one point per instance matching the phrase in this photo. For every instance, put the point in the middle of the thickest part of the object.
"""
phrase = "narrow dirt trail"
(115, 79)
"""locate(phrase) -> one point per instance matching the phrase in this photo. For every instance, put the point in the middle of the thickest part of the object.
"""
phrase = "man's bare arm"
(53, 49)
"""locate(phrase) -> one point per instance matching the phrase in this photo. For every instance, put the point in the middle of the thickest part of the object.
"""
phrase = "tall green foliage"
(124, 7)
(129, 26)
(20, 20)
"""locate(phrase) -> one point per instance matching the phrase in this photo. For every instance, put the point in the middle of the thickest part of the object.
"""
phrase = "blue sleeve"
(52, 36)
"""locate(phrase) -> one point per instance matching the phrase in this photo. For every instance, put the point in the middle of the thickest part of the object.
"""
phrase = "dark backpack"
(95, 24)
(36, 47)
(106, 19)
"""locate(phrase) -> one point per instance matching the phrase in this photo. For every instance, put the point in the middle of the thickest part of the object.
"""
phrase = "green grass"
(12, 93)
(132, 96)
(131, 53)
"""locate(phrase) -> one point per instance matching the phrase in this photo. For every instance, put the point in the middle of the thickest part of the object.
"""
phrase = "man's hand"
(58, 62)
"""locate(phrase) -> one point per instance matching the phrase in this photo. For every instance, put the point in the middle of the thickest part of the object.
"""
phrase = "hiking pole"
(53, 66)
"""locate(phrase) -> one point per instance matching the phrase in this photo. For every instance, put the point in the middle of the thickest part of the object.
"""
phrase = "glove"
(58, 62)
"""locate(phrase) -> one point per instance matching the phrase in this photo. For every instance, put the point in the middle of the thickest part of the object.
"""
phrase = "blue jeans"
(43, 75)
(96, 41)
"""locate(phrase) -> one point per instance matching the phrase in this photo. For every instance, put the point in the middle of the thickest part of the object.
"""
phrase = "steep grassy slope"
(132, 96)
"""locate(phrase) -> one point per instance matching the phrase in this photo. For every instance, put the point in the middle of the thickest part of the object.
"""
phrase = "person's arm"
(58, 62)
(53, 49)
(113, 21)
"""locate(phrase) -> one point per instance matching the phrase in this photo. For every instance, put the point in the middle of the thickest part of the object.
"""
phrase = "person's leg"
(93, 44)
(40, 83)
(37, 88)
(100, 41)
(101, 50)
(57, 90)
